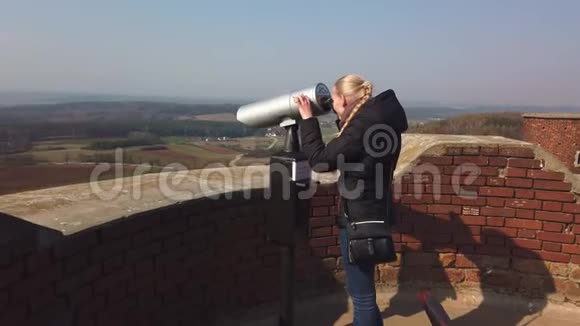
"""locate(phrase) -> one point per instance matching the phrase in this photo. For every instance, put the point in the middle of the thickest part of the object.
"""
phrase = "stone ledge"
(562, 116)
(73, 208)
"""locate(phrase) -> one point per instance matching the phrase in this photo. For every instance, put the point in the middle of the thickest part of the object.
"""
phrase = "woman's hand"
(304, 106)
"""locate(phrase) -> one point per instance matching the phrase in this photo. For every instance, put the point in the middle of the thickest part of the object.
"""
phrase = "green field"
(328, 134)
(73, 161)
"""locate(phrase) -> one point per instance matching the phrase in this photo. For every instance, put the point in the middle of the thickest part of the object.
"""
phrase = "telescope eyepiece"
(326, 103)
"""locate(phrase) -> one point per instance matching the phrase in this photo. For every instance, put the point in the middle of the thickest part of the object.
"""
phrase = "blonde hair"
(356, 88)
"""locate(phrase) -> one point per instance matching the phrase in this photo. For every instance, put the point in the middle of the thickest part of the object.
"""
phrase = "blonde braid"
(368, 87)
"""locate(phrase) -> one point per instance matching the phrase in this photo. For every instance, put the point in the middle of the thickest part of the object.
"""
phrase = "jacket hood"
(391, 110)
(387, 107)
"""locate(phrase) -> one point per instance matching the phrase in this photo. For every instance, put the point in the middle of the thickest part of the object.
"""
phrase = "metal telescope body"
(282, 110)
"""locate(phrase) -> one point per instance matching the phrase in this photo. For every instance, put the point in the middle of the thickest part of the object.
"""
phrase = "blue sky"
(449, 52)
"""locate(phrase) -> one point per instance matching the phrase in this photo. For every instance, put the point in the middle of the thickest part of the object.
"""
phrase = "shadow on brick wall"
(452, 255)
(320, 283)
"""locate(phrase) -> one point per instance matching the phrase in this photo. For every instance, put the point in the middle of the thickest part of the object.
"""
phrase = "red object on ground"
(434, 309)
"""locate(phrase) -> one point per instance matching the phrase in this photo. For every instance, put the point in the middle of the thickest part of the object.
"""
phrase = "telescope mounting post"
(291, 142)
(289, 175)
(287, 261)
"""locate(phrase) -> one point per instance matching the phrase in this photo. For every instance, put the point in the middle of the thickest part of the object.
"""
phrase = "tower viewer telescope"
(282, 110)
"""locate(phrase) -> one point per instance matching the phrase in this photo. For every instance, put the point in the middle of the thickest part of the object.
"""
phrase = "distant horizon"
(40, 97)
(449, 52)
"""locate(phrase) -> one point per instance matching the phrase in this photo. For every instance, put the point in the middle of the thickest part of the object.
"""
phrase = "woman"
(365, 151)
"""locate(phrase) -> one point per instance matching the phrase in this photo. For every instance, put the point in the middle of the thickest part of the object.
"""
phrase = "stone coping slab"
(73, 208)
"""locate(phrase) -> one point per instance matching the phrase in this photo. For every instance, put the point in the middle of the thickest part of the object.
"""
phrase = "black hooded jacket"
(366, 155)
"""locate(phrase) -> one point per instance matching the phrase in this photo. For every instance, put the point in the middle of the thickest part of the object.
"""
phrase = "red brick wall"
(560, 137)
(522, 224)
(180, 265)
(191, 262)
(519, 233)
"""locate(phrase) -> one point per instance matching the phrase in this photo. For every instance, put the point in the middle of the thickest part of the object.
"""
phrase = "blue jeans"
(360, 284)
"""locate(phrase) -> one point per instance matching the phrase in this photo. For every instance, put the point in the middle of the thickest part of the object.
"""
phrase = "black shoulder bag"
(369, 241)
